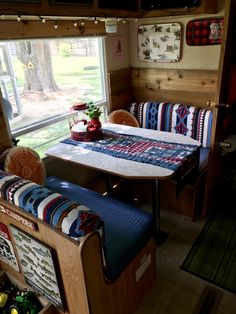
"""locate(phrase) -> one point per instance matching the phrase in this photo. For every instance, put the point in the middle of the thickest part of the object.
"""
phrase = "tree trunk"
(37, 63)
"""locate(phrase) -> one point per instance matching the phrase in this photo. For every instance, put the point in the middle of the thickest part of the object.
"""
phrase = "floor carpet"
(213, 255)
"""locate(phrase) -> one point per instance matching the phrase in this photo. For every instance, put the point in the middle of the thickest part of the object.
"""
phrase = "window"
(42, 79)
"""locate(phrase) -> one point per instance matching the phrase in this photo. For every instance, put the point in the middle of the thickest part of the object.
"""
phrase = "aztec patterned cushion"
(187, 120)
(68, 216)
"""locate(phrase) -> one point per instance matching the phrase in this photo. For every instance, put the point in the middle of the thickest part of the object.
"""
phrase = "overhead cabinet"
(168, 4)
(107, 8)
(131, 5)
(153, 8)
(69, 2)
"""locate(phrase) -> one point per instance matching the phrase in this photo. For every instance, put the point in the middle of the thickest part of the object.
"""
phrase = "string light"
(42, 19)
(78, 22)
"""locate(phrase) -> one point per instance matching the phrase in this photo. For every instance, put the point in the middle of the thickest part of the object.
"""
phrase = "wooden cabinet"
(221, 165)
(168, 4)
(98, 8)
(72, 2)
(194, 7)
(131, 5)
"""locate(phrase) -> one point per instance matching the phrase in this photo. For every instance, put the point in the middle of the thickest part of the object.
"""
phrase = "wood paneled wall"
(119, 89)
(192, 87)
(5, 134)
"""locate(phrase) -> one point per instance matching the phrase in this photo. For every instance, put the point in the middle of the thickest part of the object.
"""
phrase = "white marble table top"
(118, 166)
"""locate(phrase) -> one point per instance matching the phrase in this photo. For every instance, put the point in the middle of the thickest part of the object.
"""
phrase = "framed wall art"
(7, 253)
(206, 31)
(117, 46)
(37, 263)
(159, 42)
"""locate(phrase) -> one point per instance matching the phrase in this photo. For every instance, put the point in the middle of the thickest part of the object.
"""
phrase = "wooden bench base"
(189, 202)
(81, 275)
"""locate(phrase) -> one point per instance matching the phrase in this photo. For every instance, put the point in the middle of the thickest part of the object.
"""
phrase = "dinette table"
(122, 165)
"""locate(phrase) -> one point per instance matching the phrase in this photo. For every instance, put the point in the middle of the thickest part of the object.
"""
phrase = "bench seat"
(190, 121)
(127, 228)
(77, 236)
(64, 205)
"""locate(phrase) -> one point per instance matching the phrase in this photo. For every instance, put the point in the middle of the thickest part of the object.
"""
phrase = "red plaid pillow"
(204, 32)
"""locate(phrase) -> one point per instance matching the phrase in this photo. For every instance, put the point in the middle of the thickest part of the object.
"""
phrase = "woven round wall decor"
(25, 163)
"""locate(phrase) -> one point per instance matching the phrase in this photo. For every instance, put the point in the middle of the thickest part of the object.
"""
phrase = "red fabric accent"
(202, 32)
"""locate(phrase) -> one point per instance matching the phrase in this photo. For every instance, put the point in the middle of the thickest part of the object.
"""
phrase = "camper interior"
(117, 156)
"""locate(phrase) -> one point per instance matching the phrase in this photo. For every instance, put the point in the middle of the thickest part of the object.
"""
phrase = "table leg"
(109, 184)
(156, 205)
(160, 235)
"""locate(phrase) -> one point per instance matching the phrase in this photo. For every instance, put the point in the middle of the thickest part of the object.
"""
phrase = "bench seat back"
(68, 216)
(187, 120)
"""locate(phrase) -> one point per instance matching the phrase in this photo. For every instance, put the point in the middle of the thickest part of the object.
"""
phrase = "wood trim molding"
(37, 29)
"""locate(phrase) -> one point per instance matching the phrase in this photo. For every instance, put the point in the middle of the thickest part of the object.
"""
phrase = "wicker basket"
(87, 136)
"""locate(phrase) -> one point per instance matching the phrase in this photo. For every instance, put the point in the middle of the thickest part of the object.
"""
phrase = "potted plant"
(93, 112)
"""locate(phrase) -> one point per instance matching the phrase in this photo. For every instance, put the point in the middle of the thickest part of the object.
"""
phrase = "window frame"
(57, 118)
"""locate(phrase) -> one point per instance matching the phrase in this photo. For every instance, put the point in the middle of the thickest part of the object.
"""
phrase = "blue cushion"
(127, 228)
(203, 158)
